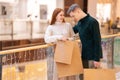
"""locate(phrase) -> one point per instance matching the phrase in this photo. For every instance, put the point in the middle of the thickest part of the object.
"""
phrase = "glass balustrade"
(36, 62)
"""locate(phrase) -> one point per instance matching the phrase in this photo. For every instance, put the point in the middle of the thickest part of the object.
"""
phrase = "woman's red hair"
(54, 15)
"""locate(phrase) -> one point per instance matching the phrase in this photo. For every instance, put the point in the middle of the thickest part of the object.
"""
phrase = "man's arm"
(97, 40)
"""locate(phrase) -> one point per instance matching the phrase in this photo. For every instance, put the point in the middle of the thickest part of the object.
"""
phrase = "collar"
(58, 22)
(84, 18)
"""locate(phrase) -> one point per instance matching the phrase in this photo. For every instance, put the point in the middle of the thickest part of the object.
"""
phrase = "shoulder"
(50, 26)
(92, 19)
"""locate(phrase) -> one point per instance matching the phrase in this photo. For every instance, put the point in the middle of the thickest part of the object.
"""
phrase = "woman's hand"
(64, 38)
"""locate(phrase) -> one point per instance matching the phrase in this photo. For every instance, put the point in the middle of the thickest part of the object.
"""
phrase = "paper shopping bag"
(75, 67)
(63, 52)
(99, 74)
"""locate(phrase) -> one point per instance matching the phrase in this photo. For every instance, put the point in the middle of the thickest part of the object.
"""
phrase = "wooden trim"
(110, 36)
(0, 45)
(24, 49)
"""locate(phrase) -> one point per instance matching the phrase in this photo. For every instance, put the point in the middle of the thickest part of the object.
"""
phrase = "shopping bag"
(75, 67)
(63, 52)
(99, 74)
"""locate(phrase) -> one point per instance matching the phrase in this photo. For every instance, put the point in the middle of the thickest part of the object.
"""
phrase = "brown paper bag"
(99, 74)
(63, 52)
(76, 64)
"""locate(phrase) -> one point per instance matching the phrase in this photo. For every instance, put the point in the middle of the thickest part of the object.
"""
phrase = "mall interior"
(24, 55)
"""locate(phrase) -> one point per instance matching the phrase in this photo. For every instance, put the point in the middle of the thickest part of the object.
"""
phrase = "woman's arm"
(49, 37)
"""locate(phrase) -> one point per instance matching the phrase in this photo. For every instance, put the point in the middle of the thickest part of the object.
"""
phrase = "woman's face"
(60, 17)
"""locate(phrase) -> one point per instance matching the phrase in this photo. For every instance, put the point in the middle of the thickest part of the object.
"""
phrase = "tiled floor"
(28, 71)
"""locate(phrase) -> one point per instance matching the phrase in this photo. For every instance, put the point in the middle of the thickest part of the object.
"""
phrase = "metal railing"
(20, 29)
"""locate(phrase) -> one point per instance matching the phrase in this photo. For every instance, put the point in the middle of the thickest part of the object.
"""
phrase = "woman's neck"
(58, 22)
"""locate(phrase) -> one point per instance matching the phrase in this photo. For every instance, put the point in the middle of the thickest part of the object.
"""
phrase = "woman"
(59, 30)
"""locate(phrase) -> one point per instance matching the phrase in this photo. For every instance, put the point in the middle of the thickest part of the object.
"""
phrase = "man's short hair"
(72, 8)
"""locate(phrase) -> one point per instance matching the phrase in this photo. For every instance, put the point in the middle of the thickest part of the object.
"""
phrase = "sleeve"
(75, 29)
(49, 37)
(72, 34)
(97, 40)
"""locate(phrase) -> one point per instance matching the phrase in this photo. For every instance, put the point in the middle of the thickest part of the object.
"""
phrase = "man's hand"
(96, 64)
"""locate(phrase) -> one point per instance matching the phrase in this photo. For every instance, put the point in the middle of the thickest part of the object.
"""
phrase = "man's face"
(74, 15)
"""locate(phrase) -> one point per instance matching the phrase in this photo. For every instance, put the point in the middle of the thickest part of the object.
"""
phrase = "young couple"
(86, 26)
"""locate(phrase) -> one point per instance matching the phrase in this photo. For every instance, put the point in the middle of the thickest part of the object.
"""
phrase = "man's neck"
(82, 15)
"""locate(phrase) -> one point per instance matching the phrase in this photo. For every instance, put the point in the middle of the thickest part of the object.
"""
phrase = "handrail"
(110, 36)
(24, 49)
(44, 46)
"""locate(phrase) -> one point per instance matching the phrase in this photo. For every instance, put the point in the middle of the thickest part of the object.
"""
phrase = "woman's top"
(57, 31)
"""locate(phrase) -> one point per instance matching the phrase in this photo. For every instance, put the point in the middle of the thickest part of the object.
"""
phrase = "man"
(89, 33)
